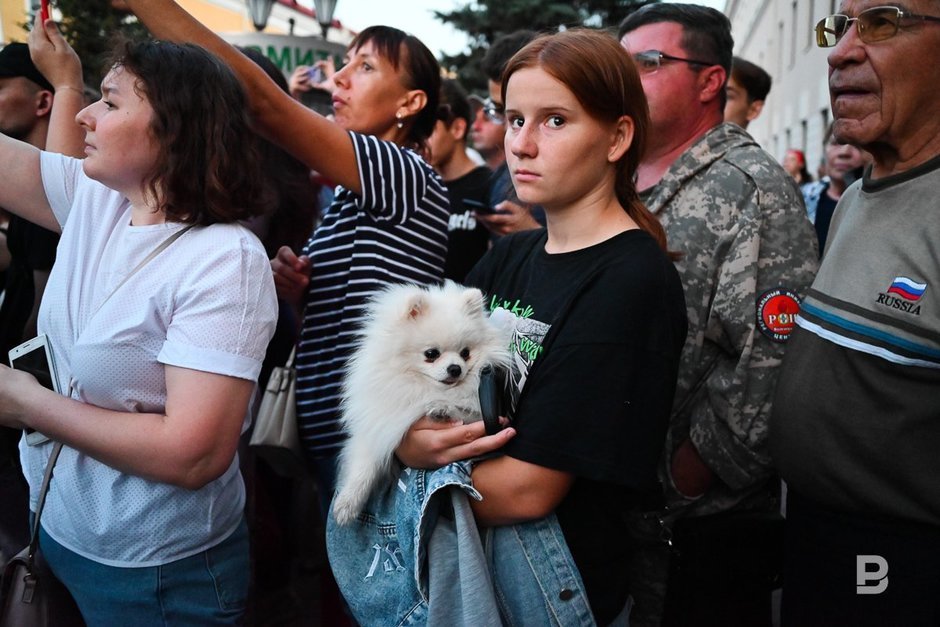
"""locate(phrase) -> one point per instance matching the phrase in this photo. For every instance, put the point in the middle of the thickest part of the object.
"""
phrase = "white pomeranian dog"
(420, 353)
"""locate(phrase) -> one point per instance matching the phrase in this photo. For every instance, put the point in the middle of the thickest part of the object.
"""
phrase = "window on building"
(811, 19)
(794, 26)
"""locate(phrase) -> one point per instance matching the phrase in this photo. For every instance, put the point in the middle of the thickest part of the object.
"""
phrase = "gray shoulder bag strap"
(153, 253)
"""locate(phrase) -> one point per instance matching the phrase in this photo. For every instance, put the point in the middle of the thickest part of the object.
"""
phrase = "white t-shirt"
(207, 303)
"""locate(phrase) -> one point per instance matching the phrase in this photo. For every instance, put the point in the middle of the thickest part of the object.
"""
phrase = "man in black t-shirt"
(24, 114)
(467, 183)
(25, 107)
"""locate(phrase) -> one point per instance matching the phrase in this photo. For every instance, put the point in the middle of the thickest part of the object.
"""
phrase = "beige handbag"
(30, 594)
(275, 437)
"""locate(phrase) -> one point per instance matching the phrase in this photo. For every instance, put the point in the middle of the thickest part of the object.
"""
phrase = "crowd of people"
(722, 370)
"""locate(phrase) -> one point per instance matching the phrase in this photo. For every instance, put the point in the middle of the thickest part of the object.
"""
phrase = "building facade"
(778, 36)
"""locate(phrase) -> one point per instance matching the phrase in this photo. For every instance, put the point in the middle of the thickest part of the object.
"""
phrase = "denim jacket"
(414, 556)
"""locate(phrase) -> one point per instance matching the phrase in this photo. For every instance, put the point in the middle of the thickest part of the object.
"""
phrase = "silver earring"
(400, 123)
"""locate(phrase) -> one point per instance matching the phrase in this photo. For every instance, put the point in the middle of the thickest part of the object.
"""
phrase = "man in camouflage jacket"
(729, 210)
(747, 255)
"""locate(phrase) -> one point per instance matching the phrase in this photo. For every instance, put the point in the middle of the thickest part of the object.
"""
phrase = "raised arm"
(310, 137)
(57, 61)
(21, 190)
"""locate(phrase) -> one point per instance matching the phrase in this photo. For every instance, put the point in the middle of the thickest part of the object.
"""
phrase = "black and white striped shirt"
(394, 232)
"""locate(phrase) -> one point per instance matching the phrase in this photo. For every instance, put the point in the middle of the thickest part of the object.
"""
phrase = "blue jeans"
(209, 588)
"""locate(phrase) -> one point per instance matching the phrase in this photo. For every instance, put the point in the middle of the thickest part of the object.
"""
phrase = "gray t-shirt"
(855, 423)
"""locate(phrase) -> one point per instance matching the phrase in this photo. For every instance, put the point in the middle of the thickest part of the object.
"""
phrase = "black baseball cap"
(15, 61)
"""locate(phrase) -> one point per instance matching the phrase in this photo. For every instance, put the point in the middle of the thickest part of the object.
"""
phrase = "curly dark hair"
(207, 168)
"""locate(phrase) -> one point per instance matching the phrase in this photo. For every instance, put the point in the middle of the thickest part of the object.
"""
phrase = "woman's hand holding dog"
(434, 443)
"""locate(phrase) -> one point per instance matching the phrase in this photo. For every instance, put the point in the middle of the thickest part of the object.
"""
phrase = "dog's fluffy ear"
(473, 301)
(417, 305)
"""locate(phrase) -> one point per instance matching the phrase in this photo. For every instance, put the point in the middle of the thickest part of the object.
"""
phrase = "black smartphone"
(316, 75)
(35, 357)
(479, 207)
(492, 400)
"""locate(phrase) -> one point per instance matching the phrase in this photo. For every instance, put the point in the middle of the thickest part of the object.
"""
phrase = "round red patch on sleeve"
(776, 313)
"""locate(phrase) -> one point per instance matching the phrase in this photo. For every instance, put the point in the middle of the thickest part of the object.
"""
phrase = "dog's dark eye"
(465, 354)
(431, 354)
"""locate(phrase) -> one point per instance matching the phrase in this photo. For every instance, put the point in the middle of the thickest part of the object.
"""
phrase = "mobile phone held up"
(316, 75)
(479, 207)
(44, 10)
(35, 357)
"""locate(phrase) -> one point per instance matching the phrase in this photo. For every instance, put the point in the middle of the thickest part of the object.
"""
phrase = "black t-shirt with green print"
(596, 351)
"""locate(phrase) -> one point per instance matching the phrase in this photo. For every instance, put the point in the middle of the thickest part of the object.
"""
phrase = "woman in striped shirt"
(388, 221)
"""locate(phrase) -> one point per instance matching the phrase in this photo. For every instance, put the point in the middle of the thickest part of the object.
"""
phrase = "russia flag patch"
(907, 288)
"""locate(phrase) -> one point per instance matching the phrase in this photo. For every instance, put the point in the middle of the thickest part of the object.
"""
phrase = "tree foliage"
(90, 27)
(484, 21)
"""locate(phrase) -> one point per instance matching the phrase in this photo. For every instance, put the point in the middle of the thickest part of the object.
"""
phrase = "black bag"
(724, 568)
(30, 594)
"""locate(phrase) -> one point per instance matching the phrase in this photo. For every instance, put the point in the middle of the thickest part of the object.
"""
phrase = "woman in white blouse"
(143, 520)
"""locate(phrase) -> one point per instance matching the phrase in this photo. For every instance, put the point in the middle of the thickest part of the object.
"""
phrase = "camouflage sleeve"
(769, 263)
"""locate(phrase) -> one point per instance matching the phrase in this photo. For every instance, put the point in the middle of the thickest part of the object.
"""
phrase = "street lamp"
(260, 11)
(325, 10)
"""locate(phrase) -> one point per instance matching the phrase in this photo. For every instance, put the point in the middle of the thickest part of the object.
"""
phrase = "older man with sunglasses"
(748, 253)
(856, 423)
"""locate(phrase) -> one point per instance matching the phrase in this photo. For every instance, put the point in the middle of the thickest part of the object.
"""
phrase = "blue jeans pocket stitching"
(221, 583)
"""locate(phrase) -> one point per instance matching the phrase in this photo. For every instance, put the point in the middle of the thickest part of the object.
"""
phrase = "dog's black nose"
(453, 371)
